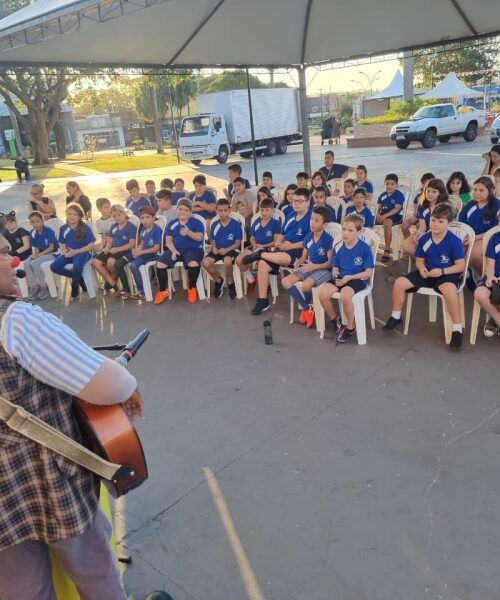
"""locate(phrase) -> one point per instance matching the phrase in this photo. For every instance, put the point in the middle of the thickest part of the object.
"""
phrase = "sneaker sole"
(256, 314)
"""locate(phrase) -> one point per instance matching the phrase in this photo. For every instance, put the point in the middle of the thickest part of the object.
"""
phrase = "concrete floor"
(350, 473)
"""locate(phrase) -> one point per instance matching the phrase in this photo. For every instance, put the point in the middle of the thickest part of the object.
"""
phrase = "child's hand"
(424, 272)
(342, 280)
(490, 281)
(336, 192)
(284, 245)
(184, 230)
(135, 252)
(435, 272)
(175, 255)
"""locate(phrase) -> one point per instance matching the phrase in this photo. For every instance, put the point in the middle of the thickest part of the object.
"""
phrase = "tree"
(86, 98)
(228, 80)
(180, 88)
(471, 64)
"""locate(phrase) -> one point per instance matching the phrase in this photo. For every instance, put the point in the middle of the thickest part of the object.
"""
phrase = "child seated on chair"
(492, 276)
(440, 266)
(267, 180)
(184, 242)
(76, 240)
(104, 222)
(234, 171)
(136, 200)
(286, 205)
(18, 237)
(178, 191)
(302, 179)
(151, 191)
(225, 239)
(287, 249)
(165, 208)
(203, 200)
(457, 185)
(496, 177)
(242, 201)
(352, 266)
(389, 211)
(117, 250)
(358, 207)
(361, 181)
(410, 221)
(319, 180)
(44, 246)
(312, 268)
(166, 184)
(150, 243)
(434, 193)
(348, 191)
(264, 233)
(319, 199)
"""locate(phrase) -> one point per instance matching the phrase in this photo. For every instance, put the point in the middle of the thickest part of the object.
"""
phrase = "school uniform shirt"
(388, 202)
(477, 217)
(351, 261)
(230, 187)
(317, 250)
(226, 235)
(493, 252)
(176, 196)
(264, 234)
(332, 215)
(336, 171)
(439, 255)
(153, 200)
(135, 207)
(41, 241)
(365, 212)
(366, 185)
(209, 198)
(68, 236)
(122, 237)
(296, 230)
(425, 214)
(288, 211)
(151, 238)
(16, 241)
(184, 242)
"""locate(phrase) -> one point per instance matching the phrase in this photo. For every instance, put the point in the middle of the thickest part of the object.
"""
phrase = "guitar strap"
(23, 422)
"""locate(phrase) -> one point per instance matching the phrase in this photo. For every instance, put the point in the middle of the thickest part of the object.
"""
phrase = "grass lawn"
(37, 173)
(109, 163)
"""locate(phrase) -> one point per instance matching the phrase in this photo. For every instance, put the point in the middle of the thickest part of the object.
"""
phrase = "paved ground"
(350, 473)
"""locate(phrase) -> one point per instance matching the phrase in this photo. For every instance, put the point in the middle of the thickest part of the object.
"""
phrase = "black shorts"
(186, 256)
(494, 290)
(104, 257)
(293, 254)
(216, 257)
(355, 284)
(431, 282)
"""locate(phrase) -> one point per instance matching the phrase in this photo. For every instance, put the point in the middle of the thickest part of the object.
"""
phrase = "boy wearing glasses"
(287, 250)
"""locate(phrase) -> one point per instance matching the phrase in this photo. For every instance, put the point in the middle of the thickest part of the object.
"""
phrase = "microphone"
(15, 262)
(132, 347)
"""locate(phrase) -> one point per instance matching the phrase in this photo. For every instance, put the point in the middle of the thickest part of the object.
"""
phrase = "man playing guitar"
(46, 500)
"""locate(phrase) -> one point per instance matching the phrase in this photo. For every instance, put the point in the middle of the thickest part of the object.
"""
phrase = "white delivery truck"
(222, 125)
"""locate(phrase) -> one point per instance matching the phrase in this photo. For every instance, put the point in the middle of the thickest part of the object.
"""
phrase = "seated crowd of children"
(270, 231)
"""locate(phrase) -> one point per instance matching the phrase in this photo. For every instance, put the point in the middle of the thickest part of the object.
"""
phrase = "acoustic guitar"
(108, 432)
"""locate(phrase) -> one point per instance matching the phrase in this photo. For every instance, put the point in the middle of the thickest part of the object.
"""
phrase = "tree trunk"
(60, 140)
(156, 119)
(36, 128)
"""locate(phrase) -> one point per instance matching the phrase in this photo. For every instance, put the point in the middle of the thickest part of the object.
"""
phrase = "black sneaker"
(75, 291)
(344, 335)
(261, 306)
(470, 282)
(456, 340)
(231, 290)
(219, 287)
(250, 258)
(82, 285)
(391, 324)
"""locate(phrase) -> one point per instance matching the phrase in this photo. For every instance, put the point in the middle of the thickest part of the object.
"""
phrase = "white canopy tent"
(451, 87)
(394, 89)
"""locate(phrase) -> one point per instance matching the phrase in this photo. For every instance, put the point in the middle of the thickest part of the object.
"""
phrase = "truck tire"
(271, 148)
(429, 139)
(221, 158)
(444, 138)
(402, 144)
(245, 154)
(196, 162)
(282, 146)
(494, 140)
(470, 133)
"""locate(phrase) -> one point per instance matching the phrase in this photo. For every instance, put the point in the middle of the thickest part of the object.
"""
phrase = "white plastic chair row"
(396, 246)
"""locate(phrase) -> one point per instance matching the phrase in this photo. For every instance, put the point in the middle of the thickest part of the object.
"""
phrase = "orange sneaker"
(303, 317)
(309, 318)
(161, 297)
(192, 295)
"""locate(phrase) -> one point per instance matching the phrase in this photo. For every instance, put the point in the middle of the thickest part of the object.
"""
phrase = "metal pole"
(303, 118)
(321, 101)
(250, 111)
(174, 132)
(156, 118)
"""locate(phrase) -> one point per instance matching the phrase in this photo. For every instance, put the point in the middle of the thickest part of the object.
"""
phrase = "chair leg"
(447, 323)
(360, 319)
(146, 283)
(170, 283)
(49, 279)
(200, 287)
(371, 311)
(432, 309)
(409, 302)
(89, 279)
(273, 281)
(237, 282)
(319, 313)
(474, 324)
(462, 307)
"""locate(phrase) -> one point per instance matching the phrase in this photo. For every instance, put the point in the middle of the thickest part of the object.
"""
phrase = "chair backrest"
(134, 220)
(335, 184)
(486, 238)
(213, 190)
(408, 204)
(334, 229)
(278, 193)
(55, 224)
(456, 203)
(464, 232)
(161, 221)
(373, 240)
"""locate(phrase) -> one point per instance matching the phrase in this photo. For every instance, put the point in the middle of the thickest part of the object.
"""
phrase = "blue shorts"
(319, 276)
(186, 256)
(396, 219)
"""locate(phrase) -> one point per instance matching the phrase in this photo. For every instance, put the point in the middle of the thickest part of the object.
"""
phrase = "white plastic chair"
(396, 246)
(144, 270)
(335, 184)
(370, 237)
(463, 231)
(476, 310)
(236, 272)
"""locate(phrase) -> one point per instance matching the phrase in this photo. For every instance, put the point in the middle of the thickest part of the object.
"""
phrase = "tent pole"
(303, 118)
(250, 110)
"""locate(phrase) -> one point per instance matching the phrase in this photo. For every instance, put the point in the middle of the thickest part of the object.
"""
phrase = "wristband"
(442, 272)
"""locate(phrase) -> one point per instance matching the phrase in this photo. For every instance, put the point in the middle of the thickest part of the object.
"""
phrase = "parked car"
(495, 130)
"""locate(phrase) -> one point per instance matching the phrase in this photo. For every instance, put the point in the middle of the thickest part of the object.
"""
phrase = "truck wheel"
(222, 156)
(494, 140)
(444, 138)
(470, 133)
(429, 139)
(402, 144)
(271, 148)
(196, 163)
(245, 154)
(282, 146)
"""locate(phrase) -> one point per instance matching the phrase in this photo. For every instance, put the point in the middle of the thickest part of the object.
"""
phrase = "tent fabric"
(450, 87)
(202, 33)
(393, 90)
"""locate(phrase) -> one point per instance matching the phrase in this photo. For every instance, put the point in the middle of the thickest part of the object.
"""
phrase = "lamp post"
(371, 80)
(110, 108)
(361, 85)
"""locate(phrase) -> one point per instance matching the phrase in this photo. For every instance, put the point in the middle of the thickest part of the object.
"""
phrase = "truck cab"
(204, 136)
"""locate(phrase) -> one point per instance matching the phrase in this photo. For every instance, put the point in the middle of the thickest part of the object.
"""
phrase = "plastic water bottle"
(268, 332)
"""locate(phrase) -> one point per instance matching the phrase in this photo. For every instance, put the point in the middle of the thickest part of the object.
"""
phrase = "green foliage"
(399, 111)
(175, 89)
(92, 98)
(232, 80)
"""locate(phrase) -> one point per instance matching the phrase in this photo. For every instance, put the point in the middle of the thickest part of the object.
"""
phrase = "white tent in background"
(393, 90)
(451, 87)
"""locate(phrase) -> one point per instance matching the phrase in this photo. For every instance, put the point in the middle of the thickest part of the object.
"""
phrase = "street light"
(361, 85)
(371, 80)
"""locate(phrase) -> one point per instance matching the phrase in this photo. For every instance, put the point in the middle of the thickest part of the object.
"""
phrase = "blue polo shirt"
(351, 261)
(425, 214)
(367, 185)
(365, 212)
(493, 252)
(42, 240)
(184, 242)
(151, 238)
(135, 207)
(287, 210)
(477, 218)
(230, 187)
(439, 255)
(317, 250)
(16, 241)
(176, 196)
(122, 236)
(226, 235)
(264, 234)
(153, 200)
(209, 198)
(296, 230)
(387, 202)
(68, 236)
(332, 215)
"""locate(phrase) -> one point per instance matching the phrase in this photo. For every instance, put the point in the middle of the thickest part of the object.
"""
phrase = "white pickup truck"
(438, 122)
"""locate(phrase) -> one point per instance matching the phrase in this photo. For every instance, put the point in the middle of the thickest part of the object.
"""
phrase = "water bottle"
(268, 333)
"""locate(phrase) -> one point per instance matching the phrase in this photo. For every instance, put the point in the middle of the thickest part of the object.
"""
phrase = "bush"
(399, 111)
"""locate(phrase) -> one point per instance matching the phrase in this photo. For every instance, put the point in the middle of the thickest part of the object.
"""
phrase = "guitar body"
(107, 431)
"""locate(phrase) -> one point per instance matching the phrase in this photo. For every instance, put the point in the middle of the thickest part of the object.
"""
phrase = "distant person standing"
(333, 170)
(75, 194)
(22, 167)
(326, 131)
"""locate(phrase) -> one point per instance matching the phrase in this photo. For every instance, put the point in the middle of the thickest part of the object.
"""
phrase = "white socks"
(457, 327)
(396, 314)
